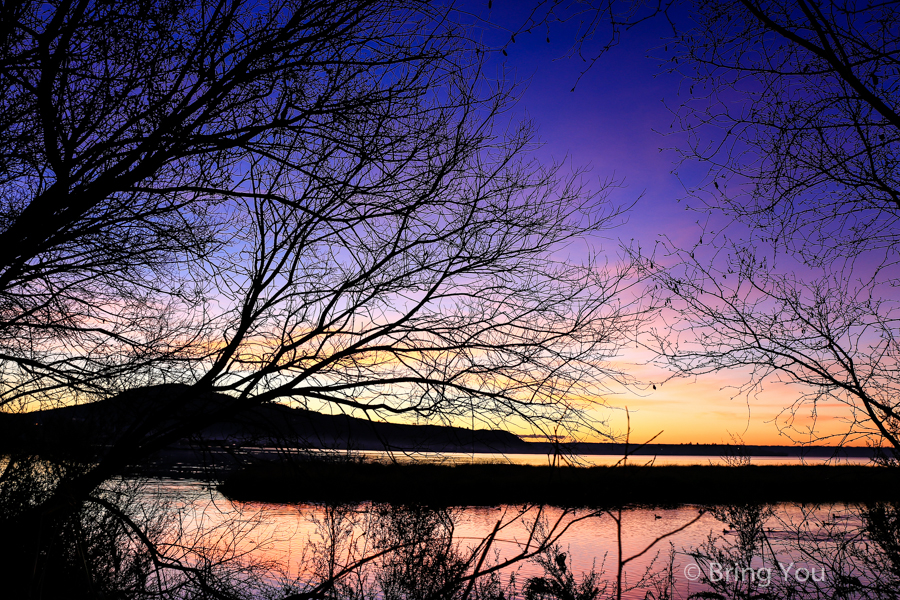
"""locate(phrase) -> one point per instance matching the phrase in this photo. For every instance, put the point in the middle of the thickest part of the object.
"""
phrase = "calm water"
(828, 545)
(286, 535)
(597, 459)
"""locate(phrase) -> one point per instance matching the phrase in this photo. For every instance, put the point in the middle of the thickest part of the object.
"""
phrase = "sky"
(618, 122)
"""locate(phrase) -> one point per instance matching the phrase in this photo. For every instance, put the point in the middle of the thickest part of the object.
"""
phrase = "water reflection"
(799, 552)
(592, 460)
(539, 553)
(182, 539)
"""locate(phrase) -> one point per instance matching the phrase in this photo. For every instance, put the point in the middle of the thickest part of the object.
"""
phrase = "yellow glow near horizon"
(702, 412)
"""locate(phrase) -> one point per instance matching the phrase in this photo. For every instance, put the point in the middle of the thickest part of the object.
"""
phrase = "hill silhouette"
(266, 425)
(87, 428)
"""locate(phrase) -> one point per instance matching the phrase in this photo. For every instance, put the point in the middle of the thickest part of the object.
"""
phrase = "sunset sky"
(617, 122)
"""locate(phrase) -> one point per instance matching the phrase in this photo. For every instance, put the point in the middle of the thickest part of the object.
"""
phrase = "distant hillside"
(264, 425)
(269, 425)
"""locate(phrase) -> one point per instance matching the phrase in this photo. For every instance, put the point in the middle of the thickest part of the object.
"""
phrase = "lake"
(813, 551)
(582, 459)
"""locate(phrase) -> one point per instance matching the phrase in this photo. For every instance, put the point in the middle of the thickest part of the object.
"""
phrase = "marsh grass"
(493, 484)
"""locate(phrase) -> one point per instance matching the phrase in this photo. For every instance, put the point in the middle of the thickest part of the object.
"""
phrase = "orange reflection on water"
(302, 543)
(287, 537)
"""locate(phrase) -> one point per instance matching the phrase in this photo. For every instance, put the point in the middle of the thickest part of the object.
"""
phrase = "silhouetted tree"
(305, 200)
(793, 110)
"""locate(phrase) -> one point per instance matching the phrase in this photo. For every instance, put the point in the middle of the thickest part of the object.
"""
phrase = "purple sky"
(614, 122)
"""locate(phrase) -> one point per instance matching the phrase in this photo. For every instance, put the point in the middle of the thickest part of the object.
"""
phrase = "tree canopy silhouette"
(793, 110)
(314, 201)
